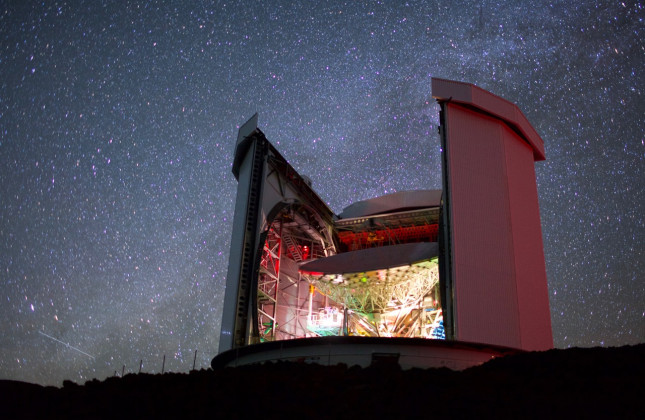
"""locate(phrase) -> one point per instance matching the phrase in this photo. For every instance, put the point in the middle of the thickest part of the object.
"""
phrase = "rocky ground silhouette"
(571, 383)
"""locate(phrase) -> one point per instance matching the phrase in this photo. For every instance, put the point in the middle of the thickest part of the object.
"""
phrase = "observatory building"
(447, 277)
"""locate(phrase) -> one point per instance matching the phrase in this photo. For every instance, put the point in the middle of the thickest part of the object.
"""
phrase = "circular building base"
(365, 351)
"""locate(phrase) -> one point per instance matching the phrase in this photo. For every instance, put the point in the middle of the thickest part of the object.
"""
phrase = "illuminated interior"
(295, 236)
(379, 275)
(401, 301)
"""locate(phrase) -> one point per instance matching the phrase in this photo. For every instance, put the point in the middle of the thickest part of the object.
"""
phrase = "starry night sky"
(117, 127)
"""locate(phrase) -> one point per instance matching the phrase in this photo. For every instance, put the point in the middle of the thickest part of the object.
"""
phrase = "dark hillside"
(573, 383)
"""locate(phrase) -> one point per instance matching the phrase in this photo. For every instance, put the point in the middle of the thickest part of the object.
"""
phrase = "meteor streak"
(67, 344)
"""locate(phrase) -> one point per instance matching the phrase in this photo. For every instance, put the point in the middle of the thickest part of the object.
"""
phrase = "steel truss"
(391, 301)
(269, 283)
(292, 238)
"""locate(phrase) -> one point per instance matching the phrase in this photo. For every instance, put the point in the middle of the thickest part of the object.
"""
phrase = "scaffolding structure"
(394, 302)
(269, 283)
(282, 298)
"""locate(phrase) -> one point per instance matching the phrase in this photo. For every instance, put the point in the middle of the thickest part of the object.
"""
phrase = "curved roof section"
(444, 90)
(395, 202)
(372, 259)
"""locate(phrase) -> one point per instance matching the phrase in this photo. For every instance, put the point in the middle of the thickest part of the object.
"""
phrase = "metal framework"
(394, 302)
(258, 286)
(269, 283)
(389, 229)
(291, 239)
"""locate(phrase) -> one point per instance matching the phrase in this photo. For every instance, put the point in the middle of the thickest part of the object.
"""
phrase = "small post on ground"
(163, 364)
(195, 360)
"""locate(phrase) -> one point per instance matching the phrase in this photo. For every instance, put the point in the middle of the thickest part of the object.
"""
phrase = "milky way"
(117, 128)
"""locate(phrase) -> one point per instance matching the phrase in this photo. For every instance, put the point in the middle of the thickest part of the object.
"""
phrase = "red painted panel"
(483, 270)
(532, 290)
(474, 96)
(499, 278)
